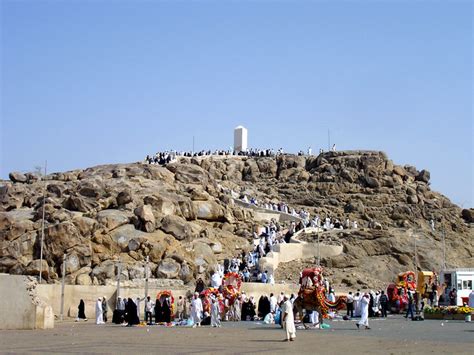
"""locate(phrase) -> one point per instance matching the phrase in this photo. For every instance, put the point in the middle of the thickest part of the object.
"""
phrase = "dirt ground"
(394, 335)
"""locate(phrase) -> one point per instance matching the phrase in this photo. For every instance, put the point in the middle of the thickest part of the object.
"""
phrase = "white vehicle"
(460, 279)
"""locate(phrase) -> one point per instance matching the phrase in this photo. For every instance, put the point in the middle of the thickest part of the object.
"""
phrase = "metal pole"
(42, 227)
(146, 276)
(444, 249)
(62, 286)
(319, 251)
(416, 255)
(119, 273)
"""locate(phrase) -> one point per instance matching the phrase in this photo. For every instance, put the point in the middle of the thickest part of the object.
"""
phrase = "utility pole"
(416, 254)
(119, 272)
(319, 250)
(42, 226)
(444, 249)
(146, 276)
(62, 286)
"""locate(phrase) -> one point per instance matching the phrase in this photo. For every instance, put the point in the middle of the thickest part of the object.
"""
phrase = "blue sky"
(92, 82)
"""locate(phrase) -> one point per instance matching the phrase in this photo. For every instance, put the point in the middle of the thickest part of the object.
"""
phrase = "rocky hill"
(181, 218)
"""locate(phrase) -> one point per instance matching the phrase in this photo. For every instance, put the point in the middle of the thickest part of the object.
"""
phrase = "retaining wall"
(19, 309)
(74, 293)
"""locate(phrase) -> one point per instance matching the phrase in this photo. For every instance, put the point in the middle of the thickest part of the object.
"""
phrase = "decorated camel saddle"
(312, 294)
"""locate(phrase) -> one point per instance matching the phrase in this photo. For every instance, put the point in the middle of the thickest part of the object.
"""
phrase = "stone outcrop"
(183, 218)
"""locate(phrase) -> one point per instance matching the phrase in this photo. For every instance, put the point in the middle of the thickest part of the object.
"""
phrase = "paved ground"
(392, 336)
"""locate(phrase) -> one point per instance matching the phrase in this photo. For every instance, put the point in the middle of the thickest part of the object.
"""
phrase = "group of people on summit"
(168, 156)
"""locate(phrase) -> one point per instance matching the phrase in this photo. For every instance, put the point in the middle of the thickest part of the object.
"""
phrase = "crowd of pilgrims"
(170, 155)
(306, 221)
(160, 311)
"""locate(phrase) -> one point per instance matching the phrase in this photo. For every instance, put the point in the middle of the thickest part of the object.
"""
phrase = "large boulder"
(209, 210)
(16, 176)
(60, 238)
(185, 273)
(72, 263)
(147, 219)
(399, 171)
(423, 176)
(104, 271)
(371, 182)
(34, 268)
(162, 205)
(14, 224)
(124, 197)
(168, 269)
(112, 219)
(136, 271)
(90, 189)
(176, 226)
(85, 225)
(204, 251)
(83, 279)
(81, 204)
(124, 234)
(189, 174)
(468, 215)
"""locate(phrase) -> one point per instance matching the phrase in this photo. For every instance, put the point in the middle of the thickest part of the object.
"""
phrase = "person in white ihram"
(98, 312)
(215, 313)
(196, 310)
(364, 312)
(288, 319)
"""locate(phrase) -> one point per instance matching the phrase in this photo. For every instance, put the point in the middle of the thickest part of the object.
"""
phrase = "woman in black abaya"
(81, 311)
(131, 313)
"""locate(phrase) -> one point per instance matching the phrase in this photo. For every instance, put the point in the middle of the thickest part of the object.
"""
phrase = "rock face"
(182, 216)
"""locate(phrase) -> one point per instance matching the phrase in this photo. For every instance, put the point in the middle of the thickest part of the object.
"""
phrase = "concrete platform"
(392, 336)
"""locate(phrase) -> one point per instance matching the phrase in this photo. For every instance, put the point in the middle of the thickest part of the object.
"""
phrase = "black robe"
(158, 312)
(166, 309)
(199, 286)
(263, 306)
(81, 310)
(248, 310)
(131, 315)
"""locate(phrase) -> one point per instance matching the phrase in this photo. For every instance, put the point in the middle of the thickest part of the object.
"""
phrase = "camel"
(308, 299)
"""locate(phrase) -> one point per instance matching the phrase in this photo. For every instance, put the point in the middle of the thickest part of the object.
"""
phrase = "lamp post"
(415, 258)
(319, 250)
(146, 276)
(42, 228)
(62, 285)
(444, 249)
(119, 273)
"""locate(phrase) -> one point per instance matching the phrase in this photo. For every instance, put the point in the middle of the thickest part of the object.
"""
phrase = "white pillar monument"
(240, 139)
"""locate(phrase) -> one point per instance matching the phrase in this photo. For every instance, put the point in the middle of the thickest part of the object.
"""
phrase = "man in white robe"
(357, 298)
(364, 311)
(314, 319)
(273, 303)
(216, 280)
(138, 302)
(215, 313)
(196, 310)
(98, 312)
(288, 319)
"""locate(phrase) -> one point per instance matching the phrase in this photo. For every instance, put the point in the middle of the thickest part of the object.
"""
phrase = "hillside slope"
(181, 218)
